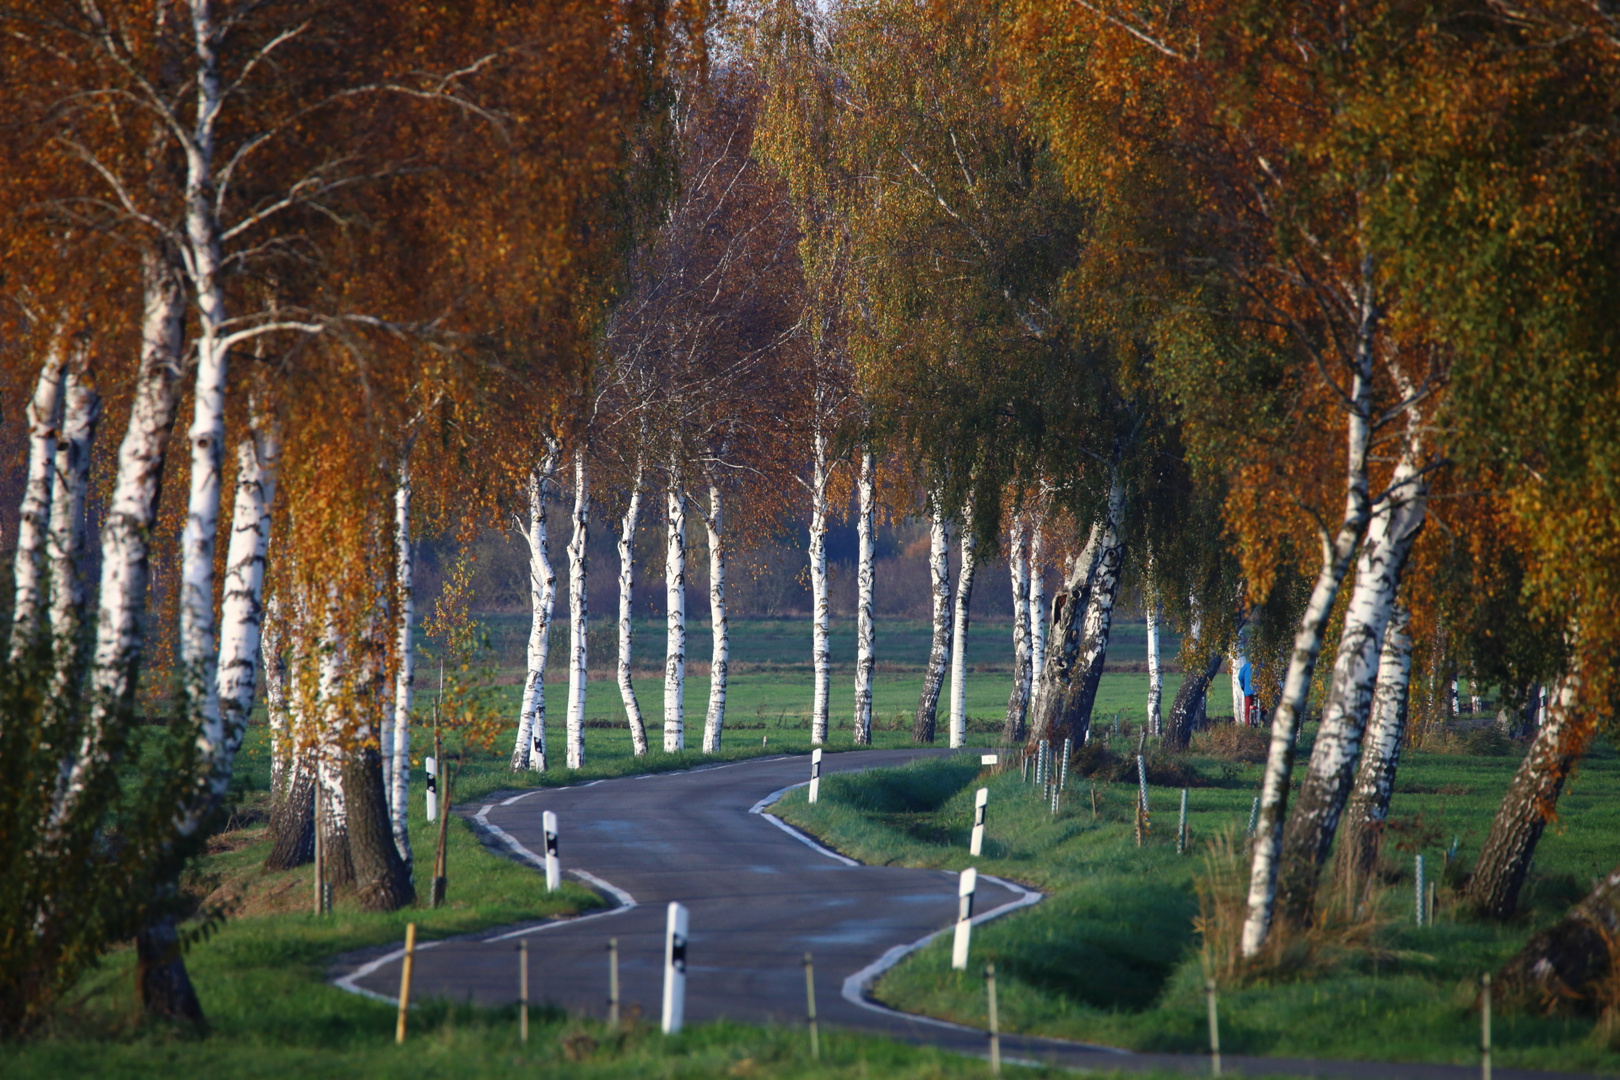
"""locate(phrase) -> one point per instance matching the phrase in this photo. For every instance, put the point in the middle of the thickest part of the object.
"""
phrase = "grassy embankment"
(1112, 955)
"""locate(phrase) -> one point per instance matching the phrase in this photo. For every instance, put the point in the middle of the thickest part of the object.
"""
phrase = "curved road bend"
(761, 896)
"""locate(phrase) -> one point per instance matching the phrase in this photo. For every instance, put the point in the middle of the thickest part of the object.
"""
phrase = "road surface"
(761, 895)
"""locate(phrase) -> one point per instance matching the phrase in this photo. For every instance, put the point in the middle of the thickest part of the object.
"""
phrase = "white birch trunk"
(198, 654)
(80, 412)
(1023, 665)
(126, 533)
(258, 456)
(715, 721)
(820, 650)
(577, 625)
(627, 581)
(529, 751)
(1037, 594)
(675, 615)
(1386, 730)
(1155, 696)
(969, 544)
(1328, 779)
(865, 652)
(331, 748)
(277, 712)
(397, 738)
(1337, 553)
(939, 650)
(34, 521)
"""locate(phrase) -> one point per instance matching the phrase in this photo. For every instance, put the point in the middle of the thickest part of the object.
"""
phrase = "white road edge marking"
(803, 838)
(624, 900)
(856, 986)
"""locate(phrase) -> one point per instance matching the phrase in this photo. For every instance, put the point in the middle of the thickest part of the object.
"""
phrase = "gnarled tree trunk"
(1057, 666)
(1188, 709)
(1531, 800)
(382, 878)
(1569, 963)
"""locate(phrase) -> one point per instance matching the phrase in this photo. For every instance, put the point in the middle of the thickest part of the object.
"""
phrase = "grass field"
(1112, 955)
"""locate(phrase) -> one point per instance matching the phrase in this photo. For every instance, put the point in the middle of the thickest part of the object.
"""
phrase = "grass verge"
(1111, 956)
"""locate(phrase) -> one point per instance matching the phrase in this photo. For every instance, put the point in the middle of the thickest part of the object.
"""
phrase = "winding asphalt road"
(761, 895)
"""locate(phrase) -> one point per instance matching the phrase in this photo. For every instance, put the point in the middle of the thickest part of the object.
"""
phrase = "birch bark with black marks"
(939, 650)
(258, 458)
(1099, 620)
(865, 637)
(31, 569)
(969, 564)
(1155, 695)
(627, 566)
(529, 751)
(1337, 552)
(1037, 599)
(396, 741)
(1187, 711)
(675, 618)
(578, 556)
(1386, 731)
(1308, 837)
(820, 649)
(1023, 665)
(277, 711)
(81, 410)
(332, 758)
(126, 533)
(715, 720)
(1058, 664)
(1532, 797)
(199, 655)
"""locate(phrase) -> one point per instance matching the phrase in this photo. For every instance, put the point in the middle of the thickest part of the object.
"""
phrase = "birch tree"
(966, 568)
(675, 616)
(627, 537)
(939, 649)
(529, 752)
(578, 638)
(865, 644)
(32, 570)
(1013, 729)
(720, 658)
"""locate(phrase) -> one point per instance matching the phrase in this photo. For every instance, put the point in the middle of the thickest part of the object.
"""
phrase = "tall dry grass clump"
(1351, 927)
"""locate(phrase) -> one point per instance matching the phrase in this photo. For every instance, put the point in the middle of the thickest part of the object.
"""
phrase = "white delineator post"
(980, 800)
(815, 774)
(964, 917)
(675, 968)
(553, 869)
(432, 790)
